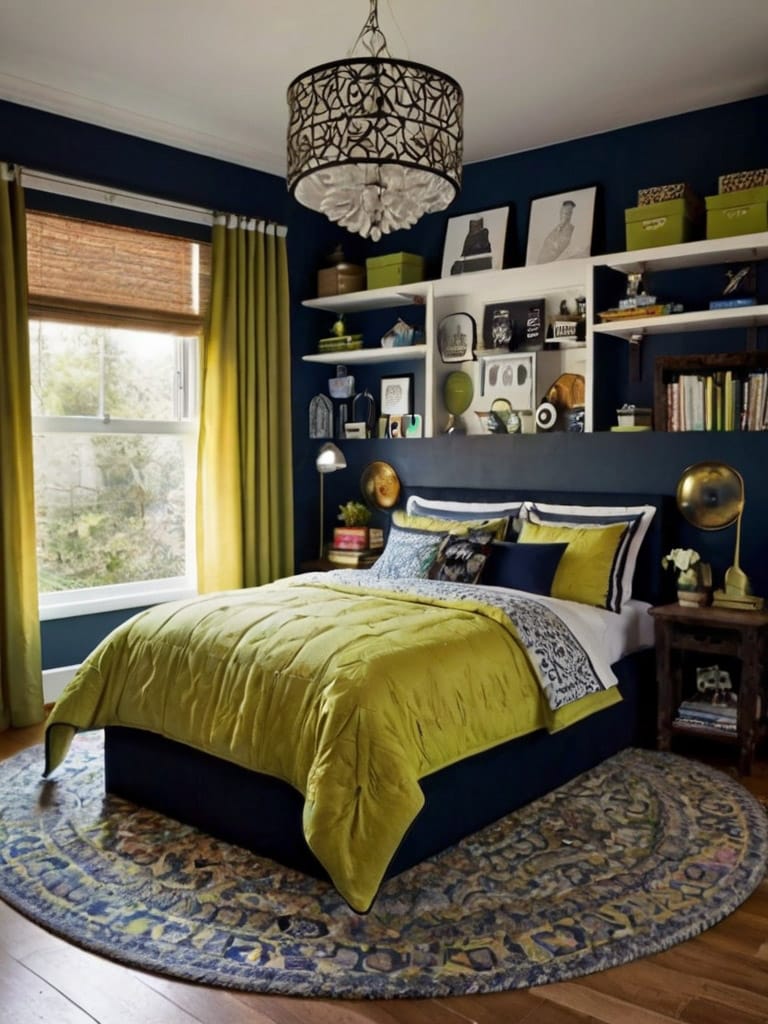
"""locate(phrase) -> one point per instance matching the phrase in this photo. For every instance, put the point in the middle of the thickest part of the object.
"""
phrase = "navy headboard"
(650, 582)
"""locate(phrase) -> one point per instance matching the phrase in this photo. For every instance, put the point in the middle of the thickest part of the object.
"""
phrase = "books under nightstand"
(346, 558)
(711, 675)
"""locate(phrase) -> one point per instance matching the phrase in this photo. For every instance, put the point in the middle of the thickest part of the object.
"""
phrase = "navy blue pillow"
(529, 567)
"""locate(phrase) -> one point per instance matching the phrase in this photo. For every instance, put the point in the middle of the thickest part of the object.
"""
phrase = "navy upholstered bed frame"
(265, 814)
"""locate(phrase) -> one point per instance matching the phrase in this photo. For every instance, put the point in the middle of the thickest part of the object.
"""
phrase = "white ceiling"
(211, 75)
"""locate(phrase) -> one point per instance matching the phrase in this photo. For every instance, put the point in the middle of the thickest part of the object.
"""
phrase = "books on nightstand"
(703, 714)
(346, 558)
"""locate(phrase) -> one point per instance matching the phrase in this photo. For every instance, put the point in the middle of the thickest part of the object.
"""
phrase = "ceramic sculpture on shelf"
(457, 396)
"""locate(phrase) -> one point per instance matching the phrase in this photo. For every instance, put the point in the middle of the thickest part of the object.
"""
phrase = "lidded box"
(667, 223)
(737, 213)
(340, 280)
(394, 269)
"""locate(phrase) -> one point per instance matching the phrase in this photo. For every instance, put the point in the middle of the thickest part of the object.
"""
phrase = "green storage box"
(667, 223)
(737, 213)
(393, 269)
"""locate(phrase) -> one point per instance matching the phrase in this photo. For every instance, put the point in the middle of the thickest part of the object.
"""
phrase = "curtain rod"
(91, 193)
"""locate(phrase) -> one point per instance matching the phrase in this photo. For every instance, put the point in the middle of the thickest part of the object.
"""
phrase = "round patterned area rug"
(640, 853)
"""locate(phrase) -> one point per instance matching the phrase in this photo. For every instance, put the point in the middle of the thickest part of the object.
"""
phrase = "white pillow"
(417, 505)
(637, 516)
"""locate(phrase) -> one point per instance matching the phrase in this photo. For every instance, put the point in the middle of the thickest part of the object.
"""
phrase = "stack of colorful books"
(703, 714)
(355, 547)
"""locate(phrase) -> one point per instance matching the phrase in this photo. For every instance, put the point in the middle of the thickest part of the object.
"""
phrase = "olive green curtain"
(21, 684)
(245, 473)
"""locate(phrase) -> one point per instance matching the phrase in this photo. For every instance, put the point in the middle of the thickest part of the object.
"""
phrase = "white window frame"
(117, 596)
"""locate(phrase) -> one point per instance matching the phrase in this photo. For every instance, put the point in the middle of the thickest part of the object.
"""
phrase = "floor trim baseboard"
(54, 681)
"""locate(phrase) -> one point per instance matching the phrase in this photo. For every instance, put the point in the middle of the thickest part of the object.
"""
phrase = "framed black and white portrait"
(560, 227)
(475, 241)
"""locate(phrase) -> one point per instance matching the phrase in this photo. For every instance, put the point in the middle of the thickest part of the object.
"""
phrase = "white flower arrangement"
(684, 561)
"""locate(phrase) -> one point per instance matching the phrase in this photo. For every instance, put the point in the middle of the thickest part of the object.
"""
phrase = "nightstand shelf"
(685, 635)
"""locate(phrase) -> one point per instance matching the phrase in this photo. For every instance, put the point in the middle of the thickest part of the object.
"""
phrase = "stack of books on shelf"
(703, 714)
(355, 547)
(340, 343)
(718, 400)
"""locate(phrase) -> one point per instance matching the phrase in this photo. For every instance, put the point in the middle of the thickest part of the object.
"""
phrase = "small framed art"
(508, 326)
(475, 241)
(509, 377)
(560, 226)
(397, 395)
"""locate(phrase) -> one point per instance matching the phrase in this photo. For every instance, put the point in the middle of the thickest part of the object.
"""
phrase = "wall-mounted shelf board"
(369, 355)
(679, 323)
(736, 249)
(376, 298)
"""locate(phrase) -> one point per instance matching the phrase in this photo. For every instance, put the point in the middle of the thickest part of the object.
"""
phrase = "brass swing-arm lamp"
(710, 495)
(329, 459)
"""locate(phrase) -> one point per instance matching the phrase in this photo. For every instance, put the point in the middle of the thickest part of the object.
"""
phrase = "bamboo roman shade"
(89, 272)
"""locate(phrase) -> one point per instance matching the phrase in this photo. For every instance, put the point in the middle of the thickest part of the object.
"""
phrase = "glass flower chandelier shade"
(374, 143)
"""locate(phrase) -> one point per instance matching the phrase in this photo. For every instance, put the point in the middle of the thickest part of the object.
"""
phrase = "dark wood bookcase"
(667, 368)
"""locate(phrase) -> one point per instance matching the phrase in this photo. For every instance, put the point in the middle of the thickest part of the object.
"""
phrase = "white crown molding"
(67, 104)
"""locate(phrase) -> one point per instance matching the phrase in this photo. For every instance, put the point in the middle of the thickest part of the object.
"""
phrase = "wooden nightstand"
(325, 565)
(687, 637)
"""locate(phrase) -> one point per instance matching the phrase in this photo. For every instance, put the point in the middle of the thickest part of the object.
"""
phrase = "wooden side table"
(712, 633)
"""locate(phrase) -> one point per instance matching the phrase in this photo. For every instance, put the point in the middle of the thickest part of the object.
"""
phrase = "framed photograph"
(397, 395)
(456, 338)
(560, 227)
(510, 326)
(475, 241)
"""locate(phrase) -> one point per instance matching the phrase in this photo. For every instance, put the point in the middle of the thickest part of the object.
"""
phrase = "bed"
(350, 724)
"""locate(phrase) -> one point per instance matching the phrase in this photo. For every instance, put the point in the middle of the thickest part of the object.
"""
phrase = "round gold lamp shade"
(710, 495)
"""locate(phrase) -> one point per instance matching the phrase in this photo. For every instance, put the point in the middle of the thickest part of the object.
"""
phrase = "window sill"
(75, 603)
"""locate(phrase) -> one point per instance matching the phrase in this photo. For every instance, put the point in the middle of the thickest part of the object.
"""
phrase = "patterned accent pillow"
(587, 568)
(461, 558)
(528, 567)
(407, 553)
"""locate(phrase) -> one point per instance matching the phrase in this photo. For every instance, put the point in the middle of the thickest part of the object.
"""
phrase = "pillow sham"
(461, 558)
(529, 567)
(637, 517)
(587, 568)
(435, 524)
(407, 553)
(466, 510)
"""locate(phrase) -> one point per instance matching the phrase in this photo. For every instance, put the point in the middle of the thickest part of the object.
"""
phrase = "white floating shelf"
(679, 323)
(736, 249)
(376, 298)
(369, 355)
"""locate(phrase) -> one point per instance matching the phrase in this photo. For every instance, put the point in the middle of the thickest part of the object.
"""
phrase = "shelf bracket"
(635, 355)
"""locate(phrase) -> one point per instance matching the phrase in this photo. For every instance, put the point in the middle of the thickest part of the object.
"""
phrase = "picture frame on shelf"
(560, 226)
(457, 338)
(396, 395)
(514, 326)
(475, 241)
(510, 377)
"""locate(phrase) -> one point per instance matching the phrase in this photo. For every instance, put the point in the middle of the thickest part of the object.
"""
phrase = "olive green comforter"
(351, 694)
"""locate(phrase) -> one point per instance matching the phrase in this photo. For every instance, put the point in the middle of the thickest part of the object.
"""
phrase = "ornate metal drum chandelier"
(374, 143)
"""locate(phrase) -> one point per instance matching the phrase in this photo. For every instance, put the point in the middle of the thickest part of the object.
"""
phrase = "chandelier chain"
(371, 39)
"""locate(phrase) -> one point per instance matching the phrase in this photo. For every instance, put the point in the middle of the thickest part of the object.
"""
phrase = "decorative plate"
(380, 485)
(457, 338)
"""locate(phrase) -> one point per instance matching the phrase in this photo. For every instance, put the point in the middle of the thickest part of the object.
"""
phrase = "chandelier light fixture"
(374, 143)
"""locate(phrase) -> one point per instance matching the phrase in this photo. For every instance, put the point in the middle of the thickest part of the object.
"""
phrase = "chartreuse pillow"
(434, 524)
(588, 564)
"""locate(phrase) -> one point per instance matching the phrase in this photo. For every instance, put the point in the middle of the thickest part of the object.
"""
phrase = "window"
(115, 316)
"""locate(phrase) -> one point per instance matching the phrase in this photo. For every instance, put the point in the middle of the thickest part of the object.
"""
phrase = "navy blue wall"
(694, 147)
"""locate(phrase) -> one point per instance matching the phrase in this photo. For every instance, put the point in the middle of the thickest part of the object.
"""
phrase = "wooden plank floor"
(721, 977)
